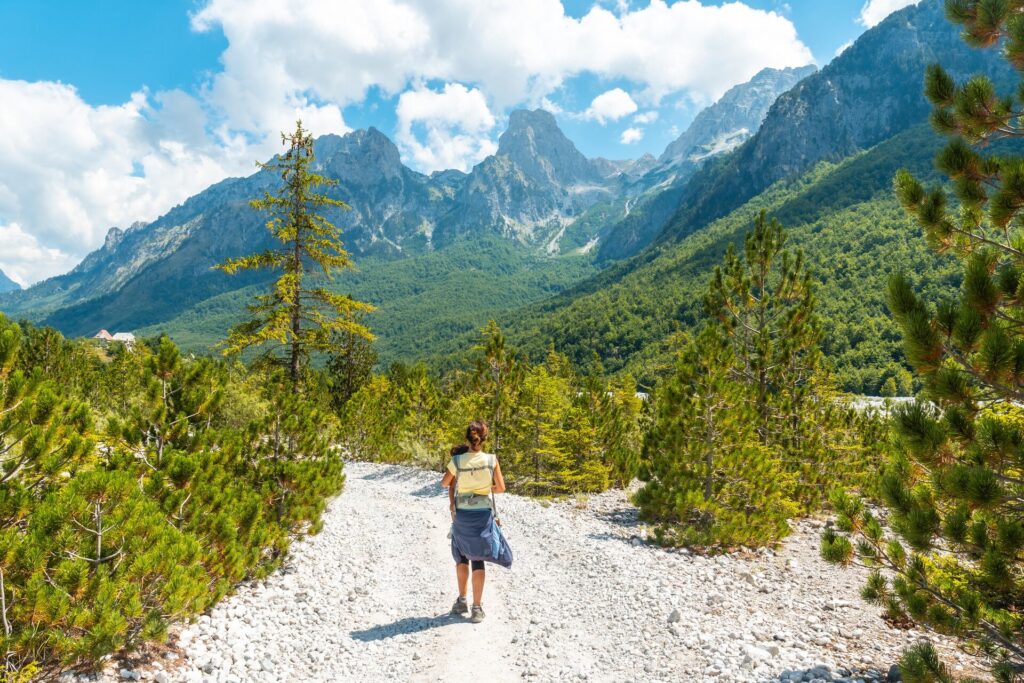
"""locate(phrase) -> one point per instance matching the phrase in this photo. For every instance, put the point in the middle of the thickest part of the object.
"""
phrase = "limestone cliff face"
(735, 117)
(717, 130)
(868, 94)
(534, 185)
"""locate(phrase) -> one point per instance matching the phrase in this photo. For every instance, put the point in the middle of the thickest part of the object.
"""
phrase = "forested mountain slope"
(844, 217)
(652, 198)
(438, 254)
(150, 274)
(423, 302)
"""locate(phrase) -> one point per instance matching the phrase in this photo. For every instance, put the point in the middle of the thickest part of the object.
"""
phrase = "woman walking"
(473, 477)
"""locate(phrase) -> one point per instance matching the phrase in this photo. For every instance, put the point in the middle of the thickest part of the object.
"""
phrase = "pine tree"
(538, 459)
(764, 303)
(421, 431)
(42, 435)
(499, 375)
(955, 485)
(350, 366)
(369, 421)
(710, 482)
(100, 553)
(592, 467)
(614, 409)
(102, 570)
(177, 406)
(297, 316)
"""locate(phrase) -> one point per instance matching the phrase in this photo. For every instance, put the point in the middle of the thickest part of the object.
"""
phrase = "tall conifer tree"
(955, 486)
(763, 302)
(498, 379)
(297, 317)
(710, 482)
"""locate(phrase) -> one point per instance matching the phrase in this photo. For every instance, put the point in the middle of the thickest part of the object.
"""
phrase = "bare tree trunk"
(98, 518)
(3, 605)
(709, 463)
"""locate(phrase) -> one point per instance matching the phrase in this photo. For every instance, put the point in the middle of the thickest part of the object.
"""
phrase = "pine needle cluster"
(952, 558)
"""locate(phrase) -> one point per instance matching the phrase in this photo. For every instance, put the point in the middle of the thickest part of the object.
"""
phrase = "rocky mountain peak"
(113, 238)
(534, 142)
(7, 284)
(735, 117)
(363, 156)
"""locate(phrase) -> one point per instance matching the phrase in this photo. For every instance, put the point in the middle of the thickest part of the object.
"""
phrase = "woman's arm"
(449, 481)
(499, 481)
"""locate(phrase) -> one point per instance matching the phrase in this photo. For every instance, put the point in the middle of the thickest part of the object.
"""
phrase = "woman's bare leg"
(478, 585)
(462, 574)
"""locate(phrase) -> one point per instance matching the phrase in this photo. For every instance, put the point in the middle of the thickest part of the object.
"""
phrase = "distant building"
(126, 338)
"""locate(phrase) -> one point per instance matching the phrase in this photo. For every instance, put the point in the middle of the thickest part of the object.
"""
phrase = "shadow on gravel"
(621, 517)
(621, 538)
(405, 626)
(392, 472)
(431, 490)
(840, 675)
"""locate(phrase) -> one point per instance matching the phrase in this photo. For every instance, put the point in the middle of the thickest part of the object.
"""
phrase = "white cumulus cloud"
(646, 117)
(23, 258)
(514, 51)
(631, 135)
(72, 170)
(611, 105)
(456, 122)
(874, 11)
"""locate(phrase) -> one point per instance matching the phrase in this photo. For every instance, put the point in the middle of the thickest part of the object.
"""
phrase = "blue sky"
(111, 48)
(136, 105)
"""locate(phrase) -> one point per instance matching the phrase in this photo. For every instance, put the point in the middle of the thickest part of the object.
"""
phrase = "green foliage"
(710, 481)
(853, 235)
(203, 473)
(349, 367)
(954, 486)
(748, 430)
(764, 305)
(557, 431)
(300, 318)
(425, 303)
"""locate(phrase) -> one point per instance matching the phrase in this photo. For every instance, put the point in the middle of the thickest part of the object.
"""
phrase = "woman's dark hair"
(476, 434)
(458, 450)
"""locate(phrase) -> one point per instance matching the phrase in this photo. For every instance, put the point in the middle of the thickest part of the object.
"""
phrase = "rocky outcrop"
(534, 185)
(868, 94)
(7, 284)
(734, 118)
(147, 273)
(719, 129)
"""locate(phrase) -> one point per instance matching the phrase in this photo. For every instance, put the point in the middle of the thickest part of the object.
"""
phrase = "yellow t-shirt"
(474, 472)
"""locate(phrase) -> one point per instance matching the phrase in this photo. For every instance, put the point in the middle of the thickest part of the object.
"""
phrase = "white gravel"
(586, 599)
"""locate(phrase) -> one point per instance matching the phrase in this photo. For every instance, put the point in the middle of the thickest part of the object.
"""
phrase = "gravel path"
(367, 600)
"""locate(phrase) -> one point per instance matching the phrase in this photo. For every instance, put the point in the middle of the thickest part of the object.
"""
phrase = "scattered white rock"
(367, 600)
